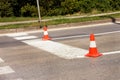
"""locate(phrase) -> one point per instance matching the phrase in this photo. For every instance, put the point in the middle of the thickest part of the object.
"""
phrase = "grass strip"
(13, 19)
(61, 21)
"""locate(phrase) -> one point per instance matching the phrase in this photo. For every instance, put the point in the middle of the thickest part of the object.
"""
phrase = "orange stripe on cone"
(45, 37)
(93, 52)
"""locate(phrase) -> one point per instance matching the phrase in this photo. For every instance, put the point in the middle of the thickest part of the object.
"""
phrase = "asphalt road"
(24, 56)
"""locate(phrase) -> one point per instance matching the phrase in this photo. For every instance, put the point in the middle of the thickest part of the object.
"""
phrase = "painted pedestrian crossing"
(55, 48)
(25, 37)
(58, 49)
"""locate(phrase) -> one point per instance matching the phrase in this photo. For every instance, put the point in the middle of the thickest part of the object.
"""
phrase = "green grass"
(12, 19)
(58, 21)
(14, 26)
(76, 20)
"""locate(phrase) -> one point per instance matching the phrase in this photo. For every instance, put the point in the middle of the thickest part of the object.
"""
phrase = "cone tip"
(92, 38)
(45, 28)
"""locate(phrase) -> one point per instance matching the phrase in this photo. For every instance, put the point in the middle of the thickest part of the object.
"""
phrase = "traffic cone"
(93, 52)
(45, 37)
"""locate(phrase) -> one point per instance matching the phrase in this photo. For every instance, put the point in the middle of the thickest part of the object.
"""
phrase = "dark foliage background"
(28, 8)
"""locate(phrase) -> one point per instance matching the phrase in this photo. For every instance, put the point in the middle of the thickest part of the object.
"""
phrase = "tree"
(86, 6)
(5, 9)
(103, 5)
(29, 10)
(115, 4)
(69, 6)
(56, 7)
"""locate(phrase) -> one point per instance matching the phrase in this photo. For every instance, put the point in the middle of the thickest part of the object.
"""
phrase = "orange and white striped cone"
(45, 37)
(93, 52)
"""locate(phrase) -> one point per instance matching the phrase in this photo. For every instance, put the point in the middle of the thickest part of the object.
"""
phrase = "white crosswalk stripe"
(25, 37)
(17, 79)
(1, 60)
(16, 34)
(21, 36)
(6, 70)
(59, 49)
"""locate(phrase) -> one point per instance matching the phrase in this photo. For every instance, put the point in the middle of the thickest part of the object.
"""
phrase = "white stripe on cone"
(45, 33)
(92, 44)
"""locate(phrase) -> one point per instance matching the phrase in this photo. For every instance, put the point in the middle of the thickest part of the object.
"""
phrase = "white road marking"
(25, 37)
(17, 79)
(61, 50)
(1, 60)
(113, 52)
(69, 37)
(16, 34)
(6, 70)
(80, 36)
(107, 33)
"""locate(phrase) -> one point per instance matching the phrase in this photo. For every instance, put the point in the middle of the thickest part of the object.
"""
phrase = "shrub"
(29, 10)
(5, 9)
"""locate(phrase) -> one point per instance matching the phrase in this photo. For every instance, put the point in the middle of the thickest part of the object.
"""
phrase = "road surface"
(24, 56)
